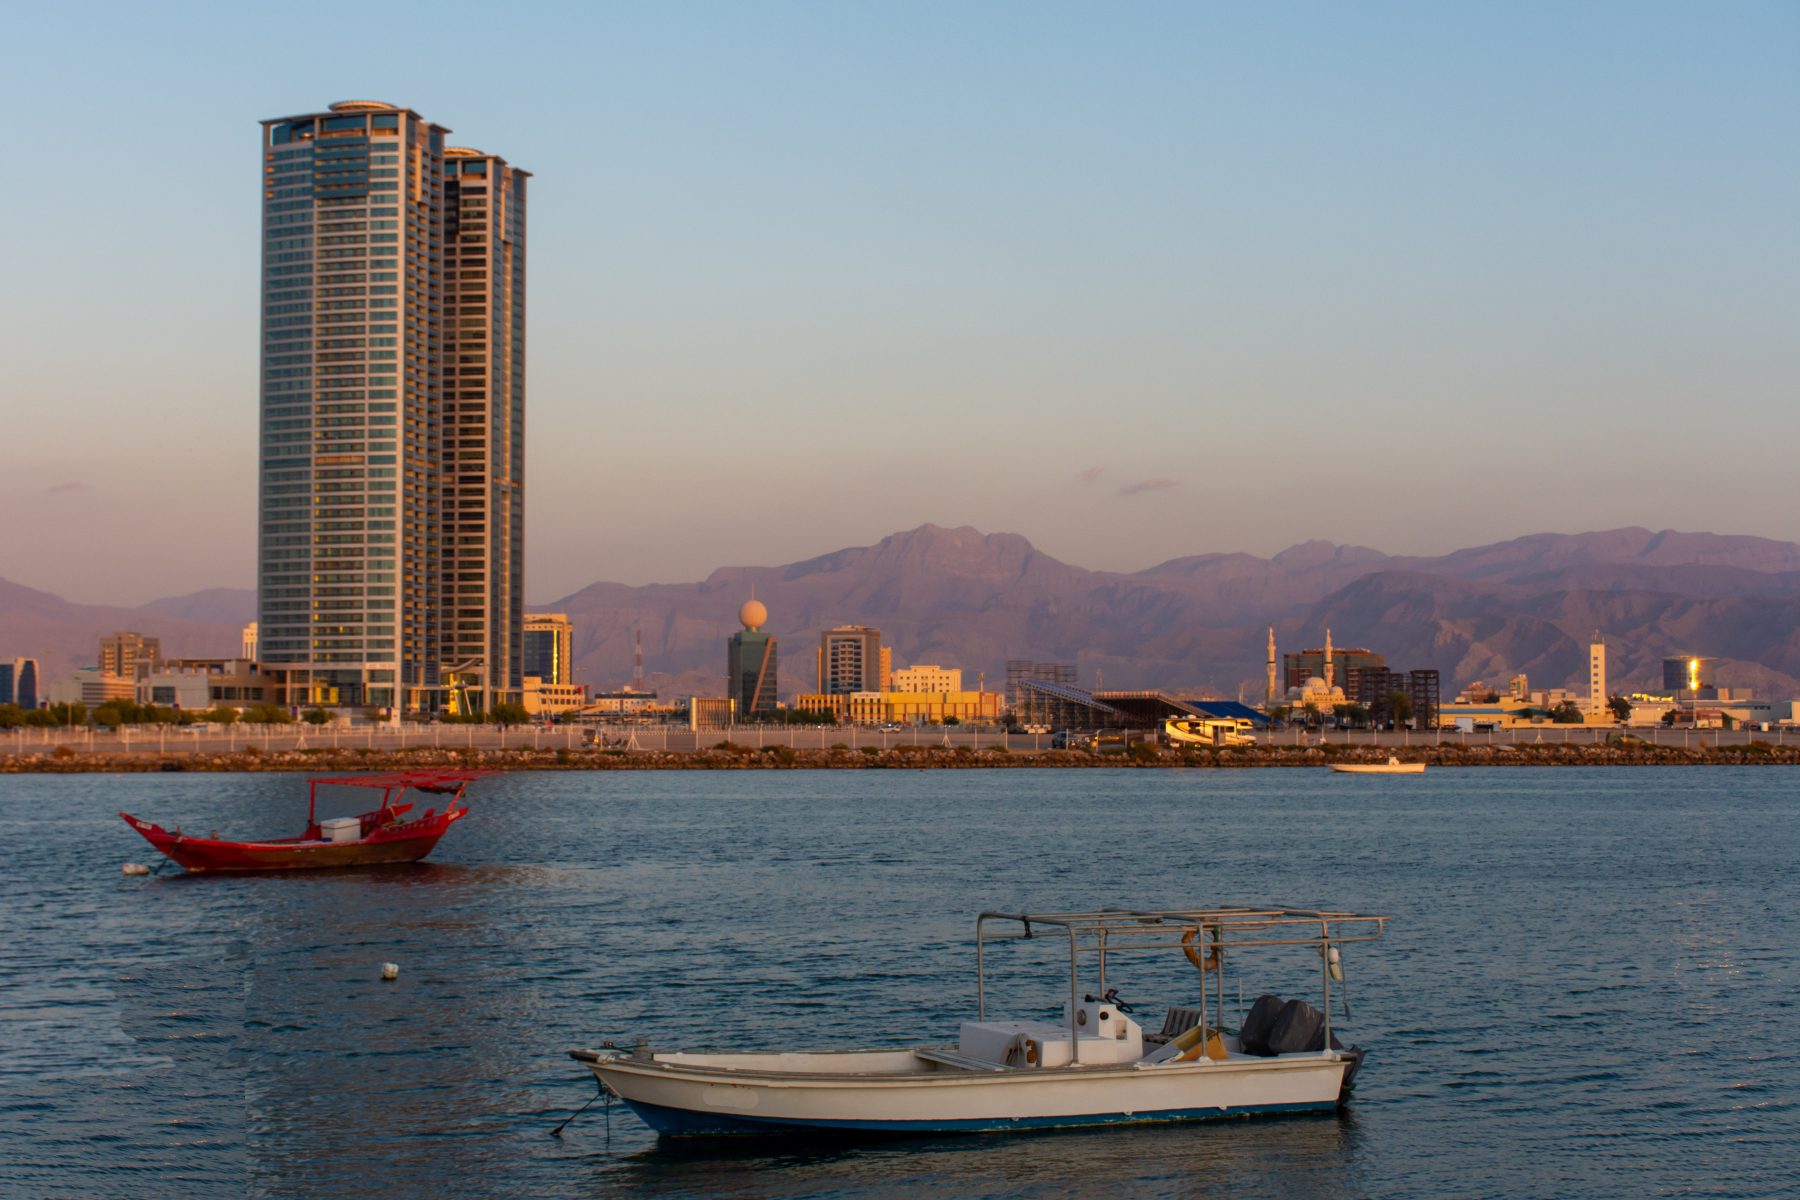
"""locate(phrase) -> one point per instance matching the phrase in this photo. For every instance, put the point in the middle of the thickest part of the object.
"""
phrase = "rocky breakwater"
(727, 756)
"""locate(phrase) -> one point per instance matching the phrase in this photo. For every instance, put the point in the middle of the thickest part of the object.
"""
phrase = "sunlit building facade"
(355, 557)
(851, 659)
(128, 654)
(484, 426)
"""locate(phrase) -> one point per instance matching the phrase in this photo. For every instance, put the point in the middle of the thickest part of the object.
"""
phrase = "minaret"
(1329, 681)
(1596, 708)
(1270, 702)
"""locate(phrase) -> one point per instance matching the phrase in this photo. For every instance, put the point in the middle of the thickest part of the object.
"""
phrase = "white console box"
(1048, 1045)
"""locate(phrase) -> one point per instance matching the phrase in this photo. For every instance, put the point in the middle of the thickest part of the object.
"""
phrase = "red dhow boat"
(383, 835)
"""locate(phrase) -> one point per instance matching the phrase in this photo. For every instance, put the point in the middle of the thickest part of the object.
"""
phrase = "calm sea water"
(1588, 987)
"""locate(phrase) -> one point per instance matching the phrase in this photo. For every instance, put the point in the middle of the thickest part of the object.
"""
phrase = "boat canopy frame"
(1211, 932)
(395, 784)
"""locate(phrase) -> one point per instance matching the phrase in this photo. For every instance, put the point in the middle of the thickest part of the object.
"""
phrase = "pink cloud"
(1149, 485)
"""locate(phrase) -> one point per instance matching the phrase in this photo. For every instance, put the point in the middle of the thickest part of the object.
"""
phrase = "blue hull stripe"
(680, 1122)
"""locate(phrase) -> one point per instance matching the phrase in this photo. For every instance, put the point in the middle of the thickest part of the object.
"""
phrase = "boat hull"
(679, 1101)
(1379, 768)
(402, 843)
(674, 1122)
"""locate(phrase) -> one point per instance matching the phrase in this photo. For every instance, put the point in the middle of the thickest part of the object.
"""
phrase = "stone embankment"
(1625, 751)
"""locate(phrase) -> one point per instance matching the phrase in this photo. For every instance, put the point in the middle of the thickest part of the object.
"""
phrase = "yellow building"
(905, 708)
(924, 677)
(819, 702)
(917, 708)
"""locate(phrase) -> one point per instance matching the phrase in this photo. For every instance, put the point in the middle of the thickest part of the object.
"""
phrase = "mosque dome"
(752, 614)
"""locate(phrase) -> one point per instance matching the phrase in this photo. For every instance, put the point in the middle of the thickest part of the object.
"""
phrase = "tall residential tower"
(384, 531)
(484, 425)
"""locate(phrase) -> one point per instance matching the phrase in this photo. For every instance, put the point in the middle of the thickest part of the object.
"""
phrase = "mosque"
(1322, 691)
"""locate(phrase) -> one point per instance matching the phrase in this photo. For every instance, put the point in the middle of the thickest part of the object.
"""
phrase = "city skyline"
(1029, 249)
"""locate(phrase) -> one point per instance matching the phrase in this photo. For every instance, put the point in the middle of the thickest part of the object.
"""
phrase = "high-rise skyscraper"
(750, 662)
(390, 541)
(484, 424)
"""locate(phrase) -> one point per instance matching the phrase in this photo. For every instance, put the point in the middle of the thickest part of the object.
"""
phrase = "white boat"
(1097, 1066)
(1392, 766)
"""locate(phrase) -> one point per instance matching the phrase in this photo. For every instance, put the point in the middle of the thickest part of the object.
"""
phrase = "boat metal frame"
(1212, 932)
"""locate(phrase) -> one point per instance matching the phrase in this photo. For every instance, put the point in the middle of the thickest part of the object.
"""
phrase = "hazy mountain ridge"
(960, 597)
(63, 636)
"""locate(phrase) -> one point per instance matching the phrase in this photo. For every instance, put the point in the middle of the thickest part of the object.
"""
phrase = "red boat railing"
(393, 785)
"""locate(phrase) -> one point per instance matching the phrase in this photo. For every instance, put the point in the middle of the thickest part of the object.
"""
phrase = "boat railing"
(1204, 935)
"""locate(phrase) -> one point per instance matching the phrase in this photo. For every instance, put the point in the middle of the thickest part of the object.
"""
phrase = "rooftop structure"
(925, 677)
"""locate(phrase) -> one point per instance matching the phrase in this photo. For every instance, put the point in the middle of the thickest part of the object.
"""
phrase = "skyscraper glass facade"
(25, 682)
(750, 663)
(352, 543)
(549, 644)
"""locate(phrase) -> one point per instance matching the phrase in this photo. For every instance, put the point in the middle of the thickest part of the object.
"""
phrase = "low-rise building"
(550, 699)
(90, 686)
(228, 682)
(709, 712)
(184, 690)
(905, 708)
(820, 702)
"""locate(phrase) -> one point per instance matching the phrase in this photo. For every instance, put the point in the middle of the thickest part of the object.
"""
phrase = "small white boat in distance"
(1097, 1066)
(1392, 766)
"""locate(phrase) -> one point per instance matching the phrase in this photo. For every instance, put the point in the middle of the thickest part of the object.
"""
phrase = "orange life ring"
(1210, 962)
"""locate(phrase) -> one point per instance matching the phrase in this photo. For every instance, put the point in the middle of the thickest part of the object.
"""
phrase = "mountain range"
(959, 597)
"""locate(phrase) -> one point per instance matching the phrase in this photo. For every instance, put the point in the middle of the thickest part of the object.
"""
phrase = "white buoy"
(390, 971)
(134, 869)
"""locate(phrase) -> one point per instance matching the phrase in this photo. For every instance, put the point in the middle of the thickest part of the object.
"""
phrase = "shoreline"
(64, 760)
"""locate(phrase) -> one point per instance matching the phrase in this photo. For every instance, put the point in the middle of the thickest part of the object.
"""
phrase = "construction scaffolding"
(1019, 670)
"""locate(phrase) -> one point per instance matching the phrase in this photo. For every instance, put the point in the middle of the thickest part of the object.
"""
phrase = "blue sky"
(1135, 281)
